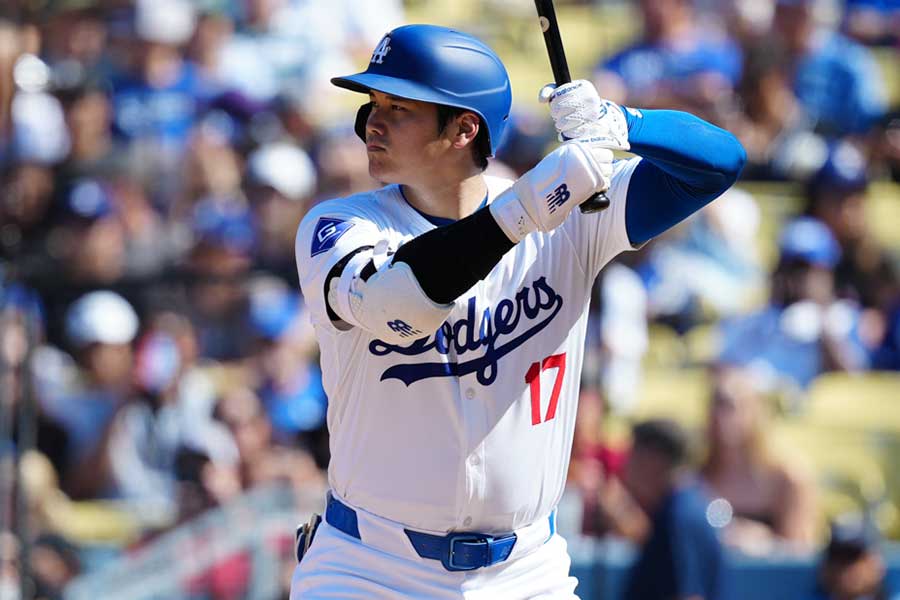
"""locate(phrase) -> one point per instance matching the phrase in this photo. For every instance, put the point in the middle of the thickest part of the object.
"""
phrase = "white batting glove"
(542, 198)
(578, 111)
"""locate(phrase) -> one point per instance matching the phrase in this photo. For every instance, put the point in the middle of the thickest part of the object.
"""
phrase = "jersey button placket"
(476, 476)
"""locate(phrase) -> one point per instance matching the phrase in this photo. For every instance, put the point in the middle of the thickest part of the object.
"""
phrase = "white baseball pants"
(342, 567)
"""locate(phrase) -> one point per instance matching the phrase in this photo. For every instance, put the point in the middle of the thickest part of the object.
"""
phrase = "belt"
(456, 551)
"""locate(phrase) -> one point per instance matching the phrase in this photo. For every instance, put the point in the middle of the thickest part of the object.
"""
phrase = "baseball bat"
(553, 40)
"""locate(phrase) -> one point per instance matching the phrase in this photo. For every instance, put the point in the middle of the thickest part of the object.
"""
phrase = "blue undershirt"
(439, 221)
(687, 163)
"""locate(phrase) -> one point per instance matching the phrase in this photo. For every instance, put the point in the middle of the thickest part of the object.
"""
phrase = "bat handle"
(594, 204)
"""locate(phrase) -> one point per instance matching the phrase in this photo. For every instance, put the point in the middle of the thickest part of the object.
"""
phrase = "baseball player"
(451, 308)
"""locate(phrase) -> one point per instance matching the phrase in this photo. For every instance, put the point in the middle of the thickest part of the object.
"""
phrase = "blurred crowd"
(156, 157)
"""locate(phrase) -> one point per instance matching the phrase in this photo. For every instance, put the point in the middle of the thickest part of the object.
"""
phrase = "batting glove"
(578, 111)
(542, 198)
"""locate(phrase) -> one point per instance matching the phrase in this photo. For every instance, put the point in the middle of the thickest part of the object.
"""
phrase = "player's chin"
(379, 167)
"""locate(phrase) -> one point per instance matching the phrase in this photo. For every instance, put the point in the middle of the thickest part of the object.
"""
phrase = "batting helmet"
(439, 65)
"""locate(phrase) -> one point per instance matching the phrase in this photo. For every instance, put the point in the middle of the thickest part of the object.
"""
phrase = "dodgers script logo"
(381, 51)
(538, 304)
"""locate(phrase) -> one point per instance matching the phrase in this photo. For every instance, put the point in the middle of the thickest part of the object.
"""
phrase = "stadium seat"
(883, 213)
(869, 402)
(665, 349)
(679, 394)
(852, 469)
(702, 344)
(889, 61)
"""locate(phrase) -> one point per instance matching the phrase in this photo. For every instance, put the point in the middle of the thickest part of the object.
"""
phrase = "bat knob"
(596, 203)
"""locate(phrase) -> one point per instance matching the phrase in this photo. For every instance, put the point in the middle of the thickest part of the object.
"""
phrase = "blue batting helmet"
(439, 65)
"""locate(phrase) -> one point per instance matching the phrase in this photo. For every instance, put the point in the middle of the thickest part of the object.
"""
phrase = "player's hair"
(482, 148)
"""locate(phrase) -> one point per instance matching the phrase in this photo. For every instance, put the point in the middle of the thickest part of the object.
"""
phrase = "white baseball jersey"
(469, 428)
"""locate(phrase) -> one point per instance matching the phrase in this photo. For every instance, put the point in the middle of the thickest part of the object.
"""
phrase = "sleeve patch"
(327, 233)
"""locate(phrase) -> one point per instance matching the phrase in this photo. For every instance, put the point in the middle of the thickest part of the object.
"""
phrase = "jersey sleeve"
(598, 237)
(327, 235)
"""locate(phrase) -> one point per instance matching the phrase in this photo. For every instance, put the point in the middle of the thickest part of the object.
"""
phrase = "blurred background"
(162, 419)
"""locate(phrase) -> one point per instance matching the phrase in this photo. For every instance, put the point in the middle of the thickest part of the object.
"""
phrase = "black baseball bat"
(553, 40)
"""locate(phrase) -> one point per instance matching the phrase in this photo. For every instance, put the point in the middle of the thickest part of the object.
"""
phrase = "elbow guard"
(390, 304)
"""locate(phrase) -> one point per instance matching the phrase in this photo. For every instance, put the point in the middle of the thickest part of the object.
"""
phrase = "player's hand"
(542, 198)
(578, 111)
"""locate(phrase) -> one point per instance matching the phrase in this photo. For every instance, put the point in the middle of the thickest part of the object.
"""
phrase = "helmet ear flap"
(362, 116)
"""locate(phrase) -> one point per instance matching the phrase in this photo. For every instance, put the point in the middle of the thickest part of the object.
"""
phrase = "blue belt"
(457, 551)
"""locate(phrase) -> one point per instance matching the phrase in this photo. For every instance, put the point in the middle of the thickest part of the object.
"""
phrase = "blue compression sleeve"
(687, 163)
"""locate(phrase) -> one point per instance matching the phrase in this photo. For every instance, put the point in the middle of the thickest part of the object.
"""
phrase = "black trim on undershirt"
(368, 270)
(336, 271)
(449, 260)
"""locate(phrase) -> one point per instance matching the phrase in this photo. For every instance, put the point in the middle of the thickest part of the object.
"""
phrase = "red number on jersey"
(533, 379)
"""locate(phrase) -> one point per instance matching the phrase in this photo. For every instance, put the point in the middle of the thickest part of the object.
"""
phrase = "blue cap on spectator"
(234, 115)
(224, 222)
(23, 301)
(20, 298)
(273, 311)
(844, 170)
(89, 199)
(810, 240)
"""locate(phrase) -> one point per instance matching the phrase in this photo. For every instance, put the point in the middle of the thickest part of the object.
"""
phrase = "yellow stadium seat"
(678, 394)
(883, 213)
(869, 401)
(666, 349)
(852, 468)
(702, 344)
(890, 69)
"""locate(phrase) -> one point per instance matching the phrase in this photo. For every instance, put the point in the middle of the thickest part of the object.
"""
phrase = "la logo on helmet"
(381, 51)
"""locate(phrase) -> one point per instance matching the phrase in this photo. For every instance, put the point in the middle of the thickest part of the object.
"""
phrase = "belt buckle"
(449, 561)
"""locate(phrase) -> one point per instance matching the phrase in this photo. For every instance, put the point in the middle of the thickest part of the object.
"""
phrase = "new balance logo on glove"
(558, 197)
(403, 328)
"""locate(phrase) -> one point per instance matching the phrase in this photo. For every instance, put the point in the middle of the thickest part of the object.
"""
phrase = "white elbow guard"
(392, 305)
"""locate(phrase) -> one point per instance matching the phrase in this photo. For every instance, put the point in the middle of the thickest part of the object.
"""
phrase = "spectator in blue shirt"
(804, 331)
(682, 559)
(837, 196)
(675, 65)
(157, 97)
(100, 327)
(873, 22)
(837, 81)
(773, 126)
(290, 381)
(217, 267)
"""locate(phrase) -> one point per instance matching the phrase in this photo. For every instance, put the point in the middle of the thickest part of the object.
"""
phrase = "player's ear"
(467, 127)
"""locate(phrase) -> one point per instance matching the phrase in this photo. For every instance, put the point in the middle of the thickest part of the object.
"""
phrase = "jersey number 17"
(533, 379)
